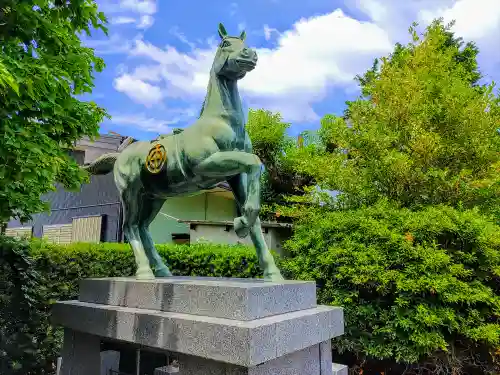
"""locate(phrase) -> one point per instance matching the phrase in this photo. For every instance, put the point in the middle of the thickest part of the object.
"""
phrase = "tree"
(422, 133)
(409, 248)
(43, 69)
(464, 54)
(277, 151)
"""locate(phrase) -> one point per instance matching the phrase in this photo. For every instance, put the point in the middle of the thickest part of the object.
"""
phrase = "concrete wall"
(220, 233)
(104, 144)
(204, 206)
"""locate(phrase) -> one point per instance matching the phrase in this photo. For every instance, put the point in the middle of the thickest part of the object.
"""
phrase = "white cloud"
(268, 32)
(179, 35)
(151, 124)
(139, 91)
(475, 20)
(288, 78)
(315, 55)
(233, 9)
(145, 22)
(122, 20)
(140, 6)
(115, 44)
(139, 12)
(142, 122)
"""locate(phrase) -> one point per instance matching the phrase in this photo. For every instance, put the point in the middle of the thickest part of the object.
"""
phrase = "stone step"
(238, 299)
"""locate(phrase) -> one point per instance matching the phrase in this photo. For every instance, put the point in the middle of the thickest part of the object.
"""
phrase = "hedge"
(420, 289)
(33, 275)
(63, 266)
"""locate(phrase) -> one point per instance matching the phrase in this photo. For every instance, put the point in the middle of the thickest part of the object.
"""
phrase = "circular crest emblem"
(156, 159)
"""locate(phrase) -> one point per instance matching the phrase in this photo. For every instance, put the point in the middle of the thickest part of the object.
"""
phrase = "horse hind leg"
(130, 198)
(149, 209)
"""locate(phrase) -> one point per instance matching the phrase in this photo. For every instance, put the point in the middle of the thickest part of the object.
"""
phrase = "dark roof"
(265, 224)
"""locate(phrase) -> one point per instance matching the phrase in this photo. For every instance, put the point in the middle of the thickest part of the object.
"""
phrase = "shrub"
(26, 338)
(64, 265)
(419, 288)
(35, 275)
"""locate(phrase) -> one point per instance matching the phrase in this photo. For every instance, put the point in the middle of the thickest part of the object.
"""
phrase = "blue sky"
(158, 53)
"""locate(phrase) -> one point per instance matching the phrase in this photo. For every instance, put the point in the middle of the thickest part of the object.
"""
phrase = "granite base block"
(302, 362)
(81, 354)
(110, 361)
(212, 325)
(339, 369)
(245, 343)
(239, 299)
(325, 357)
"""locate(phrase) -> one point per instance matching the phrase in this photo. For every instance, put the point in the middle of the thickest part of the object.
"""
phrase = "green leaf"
(40, 111)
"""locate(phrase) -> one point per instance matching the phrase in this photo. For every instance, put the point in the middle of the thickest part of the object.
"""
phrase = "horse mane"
(202, 106)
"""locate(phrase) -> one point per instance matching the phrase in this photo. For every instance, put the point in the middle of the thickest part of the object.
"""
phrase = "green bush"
(418, 288)
(62, 266)
(26, 338)
(35, 275)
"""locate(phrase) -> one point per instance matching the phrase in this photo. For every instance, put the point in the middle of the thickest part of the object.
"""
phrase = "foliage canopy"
(275, 148)
(418, 287)
(35, 274)
(423, 132)
(410, 246)
(43, 69)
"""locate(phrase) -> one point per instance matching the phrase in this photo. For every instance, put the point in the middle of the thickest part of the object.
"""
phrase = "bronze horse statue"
(213, 149)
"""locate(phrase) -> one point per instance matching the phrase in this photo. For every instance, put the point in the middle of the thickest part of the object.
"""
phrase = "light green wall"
(219, 208)
(206, 206)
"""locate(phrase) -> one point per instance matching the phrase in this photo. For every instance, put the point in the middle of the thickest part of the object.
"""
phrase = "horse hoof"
(144, 274)
(273, 276)
(240, 227)
(163, 272)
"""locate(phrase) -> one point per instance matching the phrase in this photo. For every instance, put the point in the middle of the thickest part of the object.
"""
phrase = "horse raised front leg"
(227, 164)
(239, 185)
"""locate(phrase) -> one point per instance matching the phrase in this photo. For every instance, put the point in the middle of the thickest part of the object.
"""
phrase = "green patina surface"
(215, 148)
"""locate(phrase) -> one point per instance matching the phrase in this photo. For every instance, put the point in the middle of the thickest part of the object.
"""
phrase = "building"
(94, 214)
(275, 234)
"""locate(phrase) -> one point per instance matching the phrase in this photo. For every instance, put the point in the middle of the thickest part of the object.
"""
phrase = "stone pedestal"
(211, 325)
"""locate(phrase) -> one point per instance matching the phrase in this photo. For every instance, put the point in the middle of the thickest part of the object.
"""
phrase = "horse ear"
(222, 31)
(243, 35)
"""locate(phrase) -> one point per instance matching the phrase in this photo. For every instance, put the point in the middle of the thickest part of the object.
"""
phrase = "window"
(181, 238)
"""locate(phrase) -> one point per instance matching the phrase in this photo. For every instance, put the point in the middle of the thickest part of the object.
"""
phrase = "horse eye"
(225, 44)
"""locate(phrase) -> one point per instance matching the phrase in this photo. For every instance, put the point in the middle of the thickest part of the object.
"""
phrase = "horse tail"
(102, 165)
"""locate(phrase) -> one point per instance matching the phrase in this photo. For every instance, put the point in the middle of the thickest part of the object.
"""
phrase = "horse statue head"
(233, 59)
